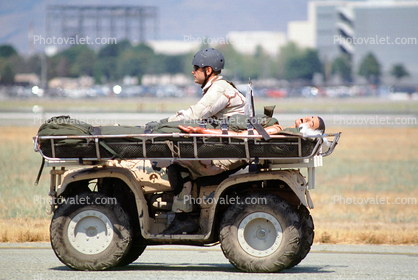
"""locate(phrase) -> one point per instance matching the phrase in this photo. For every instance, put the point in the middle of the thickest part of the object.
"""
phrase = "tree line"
(114, 61)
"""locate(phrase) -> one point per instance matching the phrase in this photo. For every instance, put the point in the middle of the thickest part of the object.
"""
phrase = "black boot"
(181, 223)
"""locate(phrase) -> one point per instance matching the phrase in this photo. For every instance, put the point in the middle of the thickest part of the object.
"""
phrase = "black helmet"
(209, 57)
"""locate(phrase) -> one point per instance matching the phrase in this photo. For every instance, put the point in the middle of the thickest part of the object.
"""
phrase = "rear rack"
(97, 149)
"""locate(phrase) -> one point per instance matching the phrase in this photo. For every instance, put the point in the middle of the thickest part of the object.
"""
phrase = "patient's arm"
(274, 129)
(201, 130)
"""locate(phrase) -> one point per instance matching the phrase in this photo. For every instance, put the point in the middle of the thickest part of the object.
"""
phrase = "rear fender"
(111, 172)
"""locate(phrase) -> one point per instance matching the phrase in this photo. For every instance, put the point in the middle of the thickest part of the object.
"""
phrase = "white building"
(388, 29)
(172, 47)
(245, 42)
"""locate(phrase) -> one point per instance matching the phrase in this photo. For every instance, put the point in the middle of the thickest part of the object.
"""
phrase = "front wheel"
(136, 249)
(90, 232)
(261, 234)
(306, 240)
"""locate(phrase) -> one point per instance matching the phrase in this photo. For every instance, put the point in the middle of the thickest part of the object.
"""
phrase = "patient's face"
(312, 122)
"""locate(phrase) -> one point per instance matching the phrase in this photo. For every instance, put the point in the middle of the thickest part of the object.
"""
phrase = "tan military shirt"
(220, 99)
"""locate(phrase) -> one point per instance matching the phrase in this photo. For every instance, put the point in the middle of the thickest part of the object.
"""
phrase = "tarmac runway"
(37, 261)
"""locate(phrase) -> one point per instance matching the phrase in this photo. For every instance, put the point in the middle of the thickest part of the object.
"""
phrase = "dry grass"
(24, 230)
(366, 233)
(366, 192)
(19, 165)
(374, 166)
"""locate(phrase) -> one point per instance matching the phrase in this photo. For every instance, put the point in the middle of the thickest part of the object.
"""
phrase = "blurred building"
(247, 42)
(27, 79)
(71, 83)
(98, 25)
(173, 47)
(388, 29)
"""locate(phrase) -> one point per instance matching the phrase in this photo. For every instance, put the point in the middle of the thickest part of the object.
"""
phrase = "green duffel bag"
(65, 126)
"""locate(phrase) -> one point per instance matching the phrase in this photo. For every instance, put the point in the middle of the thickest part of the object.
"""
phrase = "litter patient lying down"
(311, 125)
(308, 126)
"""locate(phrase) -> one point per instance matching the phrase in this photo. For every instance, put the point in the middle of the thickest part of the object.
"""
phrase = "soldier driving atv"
(220, 100)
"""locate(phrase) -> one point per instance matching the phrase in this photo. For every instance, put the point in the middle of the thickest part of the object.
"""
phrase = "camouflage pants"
(200, 168)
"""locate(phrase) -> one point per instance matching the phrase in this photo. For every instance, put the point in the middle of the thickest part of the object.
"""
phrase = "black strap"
(206, 78)
(110, 150)
(250, 128)
(98, 131)
(260, 129)
(40, 172)
(224, 126)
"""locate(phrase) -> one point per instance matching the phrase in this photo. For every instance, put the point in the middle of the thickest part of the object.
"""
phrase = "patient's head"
(312, 125)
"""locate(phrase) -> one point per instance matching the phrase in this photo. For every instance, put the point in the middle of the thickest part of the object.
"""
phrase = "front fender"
(292, 178)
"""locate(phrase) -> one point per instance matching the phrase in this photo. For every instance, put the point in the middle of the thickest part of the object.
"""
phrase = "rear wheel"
(261, 234)
(90, 232)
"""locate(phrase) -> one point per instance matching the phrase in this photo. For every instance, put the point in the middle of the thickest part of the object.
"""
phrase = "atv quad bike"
(110, 201)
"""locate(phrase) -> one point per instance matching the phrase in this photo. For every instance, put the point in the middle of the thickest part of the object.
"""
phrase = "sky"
(177, 19)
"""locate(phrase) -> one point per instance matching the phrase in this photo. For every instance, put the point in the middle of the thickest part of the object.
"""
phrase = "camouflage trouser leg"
(182, 202)
(202, 168)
